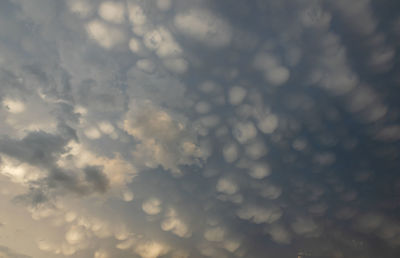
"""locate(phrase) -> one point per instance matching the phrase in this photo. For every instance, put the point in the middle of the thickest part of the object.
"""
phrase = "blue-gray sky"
(199, 128)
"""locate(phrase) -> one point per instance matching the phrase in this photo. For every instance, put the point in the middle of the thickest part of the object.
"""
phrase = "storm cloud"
(174, 128)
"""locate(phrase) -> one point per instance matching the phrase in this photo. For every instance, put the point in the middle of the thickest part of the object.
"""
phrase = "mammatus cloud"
(180, 129)
(204, 26)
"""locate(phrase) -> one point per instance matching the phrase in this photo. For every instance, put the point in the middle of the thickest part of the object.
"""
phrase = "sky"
(199, 128)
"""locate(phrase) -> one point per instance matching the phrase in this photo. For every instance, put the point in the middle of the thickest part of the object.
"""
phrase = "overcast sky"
(199, 128)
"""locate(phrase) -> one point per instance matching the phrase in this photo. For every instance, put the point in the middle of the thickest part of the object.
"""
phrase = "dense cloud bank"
(175, 128)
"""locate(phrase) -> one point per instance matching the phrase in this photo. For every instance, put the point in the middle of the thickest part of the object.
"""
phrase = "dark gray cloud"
(95, 177)
(37, 148)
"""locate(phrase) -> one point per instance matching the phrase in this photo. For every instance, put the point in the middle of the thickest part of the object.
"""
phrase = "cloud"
(75, 235)
(274, 72)
(227, 186)
(244, 132)
(161, 41)
(81, 7)
(14, 106)
(260, 170)
(173, 223)
(237, 95)
(112, 12)
(215, 234)
(230, 152)
(95, 177)
(37, 148)
(258, 214)
(389, 133)
(158, 133)
(256, 149)
(279, 234)
(150, 249)
(152, 206)
(104, 34)
(268, 124)
(204, 26)
(101, 254)
(164, 5)
(136, 14)
(7, 253)
(306, 227)
(175, 128)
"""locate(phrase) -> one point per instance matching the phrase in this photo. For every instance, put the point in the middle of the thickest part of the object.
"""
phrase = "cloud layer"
(174, 128)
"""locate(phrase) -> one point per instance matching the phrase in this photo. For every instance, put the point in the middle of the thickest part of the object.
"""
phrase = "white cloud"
(173, 223)
(259, 170)
(135, 45)
(101, 228)
(128, 196)
(151, 249)
(259, 214)
(237, 95)
(227, 186)
(80, 7)
(244, 131)
(92, 133)
(231, 245)
(106, 127)
(162, 42)
(75, 235)
(105, 35)
(126, 244)
(277, 75)
(14, 106)
(163, 140)
(121, 232)
(20, 172)
(152, 206)
(136, 14)
(204, 26)
(22, 115)
(279, 234)
(268, 124)
(112, 11)
(274, 72)
(42, 245)
(70, 216)
(101, 254)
